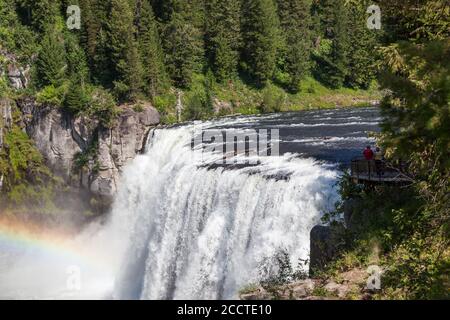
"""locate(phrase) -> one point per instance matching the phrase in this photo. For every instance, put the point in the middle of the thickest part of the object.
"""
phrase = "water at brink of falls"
(180, 230)
(202, 233)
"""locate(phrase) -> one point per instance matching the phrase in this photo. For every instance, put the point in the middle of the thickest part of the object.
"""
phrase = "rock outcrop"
(61, 138)
(325, 242)
(119, 145)
(18, 76)
(348, 285)
(5, 124)
(5, 117)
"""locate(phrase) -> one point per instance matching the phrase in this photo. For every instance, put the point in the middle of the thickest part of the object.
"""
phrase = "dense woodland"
(131, 50)
(138, 50)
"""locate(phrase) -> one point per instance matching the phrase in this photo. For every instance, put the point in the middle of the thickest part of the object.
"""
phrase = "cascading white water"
(189, 232)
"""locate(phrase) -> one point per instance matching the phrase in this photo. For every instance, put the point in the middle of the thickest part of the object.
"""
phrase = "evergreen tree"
(183, 41)
(295, 18)
(127, 77)
(222, 32)
(154, 72)
(163, 9)
(51, 62)
(77, 70)
(39, 13)
(333, 65)
(361, 53)
(76, 59)
(260, 32)
(76, 99)
(94, 39)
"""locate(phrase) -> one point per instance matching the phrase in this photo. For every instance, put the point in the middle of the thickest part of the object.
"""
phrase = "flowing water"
(184, 229)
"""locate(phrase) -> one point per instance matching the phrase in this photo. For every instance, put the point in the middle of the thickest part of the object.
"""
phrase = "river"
(184, 228)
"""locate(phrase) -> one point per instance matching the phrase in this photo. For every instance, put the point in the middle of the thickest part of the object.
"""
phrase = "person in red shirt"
(368, 153)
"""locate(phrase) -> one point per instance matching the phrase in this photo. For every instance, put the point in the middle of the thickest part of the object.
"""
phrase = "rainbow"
(55, 245)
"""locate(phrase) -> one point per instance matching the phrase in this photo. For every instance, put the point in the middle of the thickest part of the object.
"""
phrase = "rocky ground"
(347, 285)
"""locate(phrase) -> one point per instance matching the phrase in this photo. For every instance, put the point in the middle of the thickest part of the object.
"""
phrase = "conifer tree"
(361, 53)
(95, 41)
(260, 32)
(295, 18)
(51, 62)
(127, 77)
(39, 13)
(78, 72)
(183, 41)
(222, 32)
(333, 65)
(163, 9)
(154, 72)
(76, 59)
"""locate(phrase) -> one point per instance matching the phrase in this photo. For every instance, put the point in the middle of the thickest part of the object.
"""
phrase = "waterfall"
(193, 232)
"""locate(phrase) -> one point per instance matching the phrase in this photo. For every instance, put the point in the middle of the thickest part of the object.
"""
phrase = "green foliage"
(183, 41)
(199, 99)
(51, 62)
(76, 99)
(361, 55)
(411, 224)
(51, 95)
(261, 39)
(77, 68)
(273, 99)
(417, 109)
(416, 127)
(123, 50)
(82, 159)
(14, 36)
(333, 65)
(164, 102)
(281, 271)
(27, 182)
(295, 17)
(40, 14)
(150, 47)
(222, 43)
(102, 107)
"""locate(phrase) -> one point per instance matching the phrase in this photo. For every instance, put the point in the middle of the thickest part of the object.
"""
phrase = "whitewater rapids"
(180, 229)
(199, 233)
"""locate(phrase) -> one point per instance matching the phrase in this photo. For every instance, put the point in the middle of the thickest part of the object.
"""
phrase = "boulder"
(325, 242)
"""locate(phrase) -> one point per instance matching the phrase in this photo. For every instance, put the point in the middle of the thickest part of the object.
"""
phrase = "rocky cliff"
(64, 140)
(80, 150)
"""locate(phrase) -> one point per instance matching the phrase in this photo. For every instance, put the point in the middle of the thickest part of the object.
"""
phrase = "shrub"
(51, 95)
(273, 99)
(76, 99)
(164, 103)
(102, 106)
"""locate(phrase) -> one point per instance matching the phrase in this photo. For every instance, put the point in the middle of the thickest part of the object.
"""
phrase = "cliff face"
(81, 151)
(62, 138)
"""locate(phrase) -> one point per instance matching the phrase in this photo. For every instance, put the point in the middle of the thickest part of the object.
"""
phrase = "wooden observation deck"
(367, 171)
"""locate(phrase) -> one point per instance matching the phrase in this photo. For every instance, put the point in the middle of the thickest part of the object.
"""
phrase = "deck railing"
(382, 171)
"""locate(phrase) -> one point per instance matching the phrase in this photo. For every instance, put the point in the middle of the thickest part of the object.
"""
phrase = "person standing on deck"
(379, 161)
(368, 153)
